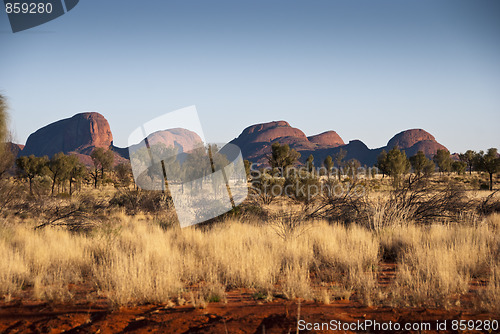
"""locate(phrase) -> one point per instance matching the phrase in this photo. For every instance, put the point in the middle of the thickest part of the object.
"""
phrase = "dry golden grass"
(133, 260)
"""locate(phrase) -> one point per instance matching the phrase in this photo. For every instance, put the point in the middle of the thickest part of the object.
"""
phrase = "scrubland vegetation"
(134, 259)
(67, 230)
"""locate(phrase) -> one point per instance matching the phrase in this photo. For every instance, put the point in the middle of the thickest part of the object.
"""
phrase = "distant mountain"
(415, 140)
(256, 140)
(182, 139)
(82, 133)
(78, 135)
(327, 139)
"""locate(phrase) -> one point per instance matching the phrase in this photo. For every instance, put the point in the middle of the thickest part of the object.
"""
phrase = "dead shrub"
(135, 201)
(288, 225)
(417, 201)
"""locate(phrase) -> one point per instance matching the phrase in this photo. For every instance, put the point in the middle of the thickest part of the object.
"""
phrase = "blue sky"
(366, 69)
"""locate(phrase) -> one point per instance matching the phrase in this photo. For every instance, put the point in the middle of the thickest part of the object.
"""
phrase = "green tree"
(459, 167)
(443, 160)
(468, 157)
(31, 167)
(328, 163)
(124, 173)
(197, 166)
(338, 157)
(60, 166)
(422, 165)
(282, 157)
(77, 172)
(310, 163)
(103, 160)
(352, 168)
(397, 164)
(381, 163)
(489, 162)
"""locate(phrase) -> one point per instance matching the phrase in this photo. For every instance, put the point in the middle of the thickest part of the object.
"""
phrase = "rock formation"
(80, 134)
(256, 140)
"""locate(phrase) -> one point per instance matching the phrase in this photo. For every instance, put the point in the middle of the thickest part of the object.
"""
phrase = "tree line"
(395, 163)
(63, 169)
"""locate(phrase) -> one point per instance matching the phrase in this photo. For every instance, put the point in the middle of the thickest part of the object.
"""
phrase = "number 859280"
(28, 8)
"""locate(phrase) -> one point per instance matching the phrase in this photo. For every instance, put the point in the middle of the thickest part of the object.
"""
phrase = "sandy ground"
(240, 314)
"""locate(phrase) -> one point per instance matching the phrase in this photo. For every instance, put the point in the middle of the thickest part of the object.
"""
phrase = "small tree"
(76, 173)
(310, 163)
(352, 168)
(328, 163)
(422, 165)
(382, 163)
(489, 162)
(397, 164)
(31, 167)
(443, 160)
(459, 167)
(339, 156)
(60, 166)
(282, 157)
(124, 173)
(468, 157)
(103, 160)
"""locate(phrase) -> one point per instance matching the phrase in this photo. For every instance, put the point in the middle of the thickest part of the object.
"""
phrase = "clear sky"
(366, 69)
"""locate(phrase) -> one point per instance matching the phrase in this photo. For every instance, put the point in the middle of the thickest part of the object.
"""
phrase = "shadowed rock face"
(429, 148)
(80, 134)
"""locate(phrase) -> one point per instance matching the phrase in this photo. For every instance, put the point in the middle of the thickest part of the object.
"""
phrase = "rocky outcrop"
(80, 134)
(327, 139)
(256, 140)
(259, 135)
(408, 138)
(182, 139)
(267, 132)
(414, 140)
